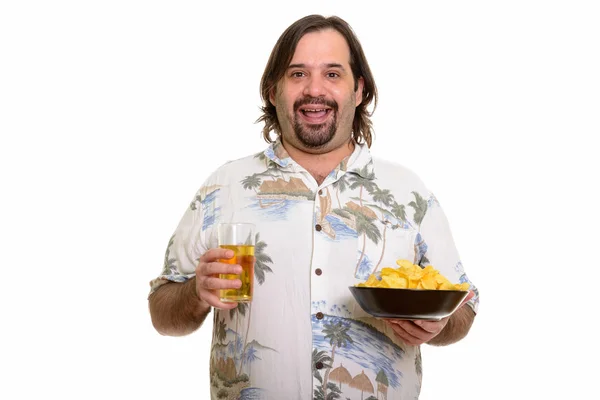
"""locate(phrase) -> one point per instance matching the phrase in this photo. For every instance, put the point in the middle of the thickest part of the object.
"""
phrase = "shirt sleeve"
(437, 248)
(187, 244)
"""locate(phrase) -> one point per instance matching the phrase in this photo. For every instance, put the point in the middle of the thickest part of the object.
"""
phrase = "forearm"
(457, 327)
(176, 310)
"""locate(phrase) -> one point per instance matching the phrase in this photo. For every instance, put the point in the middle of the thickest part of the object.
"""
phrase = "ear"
(272, 96)
(359, 91)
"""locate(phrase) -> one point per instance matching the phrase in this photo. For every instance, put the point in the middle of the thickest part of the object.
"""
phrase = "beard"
(315, 135)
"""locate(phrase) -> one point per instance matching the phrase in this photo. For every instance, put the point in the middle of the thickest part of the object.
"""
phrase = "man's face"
(315, 100)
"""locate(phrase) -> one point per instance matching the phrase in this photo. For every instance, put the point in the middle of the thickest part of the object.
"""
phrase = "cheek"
(344, 97)
(281, 104)
(347, 107)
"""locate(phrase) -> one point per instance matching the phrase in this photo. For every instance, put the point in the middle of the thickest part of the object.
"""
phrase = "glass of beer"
(238, 237)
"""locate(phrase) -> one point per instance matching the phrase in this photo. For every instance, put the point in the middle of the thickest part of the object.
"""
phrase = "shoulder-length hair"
(281, 56)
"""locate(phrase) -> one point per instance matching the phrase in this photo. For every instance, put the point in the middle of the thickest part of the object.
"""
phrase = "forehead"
(326, 46)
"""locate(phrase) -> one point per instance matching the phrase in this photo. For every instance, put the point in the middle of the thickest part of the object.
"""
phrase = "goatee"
(315, 135)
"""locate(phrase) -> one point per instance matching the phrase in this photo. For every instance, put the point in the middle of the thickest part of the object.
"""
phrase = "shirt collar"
(359, 162)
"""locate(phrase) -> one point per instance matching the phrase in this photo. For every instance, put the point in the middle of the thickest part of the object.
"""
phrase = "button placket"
(319, 282)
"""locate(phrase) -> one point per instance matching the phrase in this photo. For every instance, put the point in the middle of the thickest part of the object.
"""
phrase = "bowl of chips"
(409, 292)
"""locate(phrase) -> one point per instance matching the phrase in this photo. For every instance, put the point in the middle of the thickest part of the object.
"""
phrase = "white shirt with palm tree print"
(304, 336)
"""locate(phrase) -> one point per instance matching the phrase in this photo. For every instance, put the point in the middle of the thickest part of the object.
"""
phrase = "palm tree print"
(249, 357)
(419, 364)
(385, 198)
(254, 181)
(169, 266)
(341, 185)
(262, 157)
(382, 383)
(337, 333)
(384, 209)
(221, 331)
(251, 182)
(235, 312)
(320, 357)
(420, 207)
(382, 196)
(399, 211)
(366, 227)
(197, 199)
(261, 260)
(358, 181)
(333, 394)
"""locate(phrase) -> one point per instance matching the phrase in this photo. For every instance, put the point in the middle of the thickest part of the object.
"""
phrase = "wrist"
(196, 304)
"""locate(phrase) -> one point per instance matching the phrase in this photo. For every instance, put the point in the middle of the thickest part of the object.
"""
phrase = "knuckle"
(211, 283)
(202, 266)
(208, 256)
(212, 268)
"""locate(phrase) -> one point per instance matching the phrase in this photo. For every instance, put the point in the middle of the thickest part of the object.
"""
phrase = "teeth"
(315, 110)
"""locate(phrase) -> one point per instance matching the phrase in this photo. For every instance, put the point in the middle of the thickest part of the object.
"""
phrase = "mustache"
(315, 100)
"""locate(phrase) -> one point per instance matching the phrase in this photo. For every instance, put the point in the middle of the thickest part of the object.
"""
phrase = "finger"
(432, 326)
(403, 335)
(414, 330)
(215, 254)
(215, 268)
(214, 283)
(214, 301)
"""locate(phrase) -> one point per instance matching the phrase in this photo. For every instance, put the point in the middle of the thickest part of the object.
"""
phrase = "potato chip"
(411, 276)
(404, 263)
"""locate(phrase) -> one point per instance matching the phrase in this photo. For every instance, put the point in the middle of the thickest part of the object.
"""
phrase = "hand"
(207, 281)
(417, 332)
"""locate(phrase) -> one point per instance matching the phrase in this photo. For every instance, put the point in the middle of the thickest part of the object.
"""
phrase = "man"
(327, 216)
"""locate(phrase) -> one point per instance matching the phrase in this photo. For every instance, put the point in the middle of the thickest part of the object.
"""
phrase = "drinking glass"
(238, 237)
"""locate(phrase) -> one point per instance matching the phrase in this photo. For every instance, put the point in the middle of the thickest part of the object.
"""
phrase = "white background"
(113, 112)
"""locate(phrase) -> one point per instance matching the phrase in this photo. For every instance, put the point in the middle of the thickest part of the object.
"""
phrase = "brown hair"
(281, 56)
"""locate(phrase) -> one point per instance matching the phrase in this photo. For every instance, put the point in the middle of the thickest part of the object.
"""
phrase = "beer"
(244, 256)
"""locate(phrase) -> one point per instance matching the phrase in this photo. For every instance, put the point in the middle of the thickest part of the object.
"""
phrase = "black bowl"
(408, 303)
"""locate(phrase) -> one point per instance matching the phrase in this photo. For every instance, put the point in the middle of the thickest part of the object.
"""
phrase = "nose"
(315, 87)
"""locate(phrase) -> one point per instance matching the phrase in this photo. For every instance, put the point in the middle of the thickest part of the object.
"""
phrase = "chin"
(312, 145)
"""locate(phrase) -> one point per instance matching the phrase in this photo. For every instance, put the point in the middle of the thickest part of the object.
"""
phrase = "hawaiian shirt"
(304, 336)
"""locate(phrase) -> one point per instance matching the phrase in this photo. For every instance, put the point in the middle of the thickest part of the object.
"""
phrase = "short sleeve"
(437, 248)
(187, 244)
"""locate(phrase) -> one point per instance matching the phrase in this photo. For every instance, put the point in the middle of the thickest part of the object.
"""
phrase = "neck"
(321, 164)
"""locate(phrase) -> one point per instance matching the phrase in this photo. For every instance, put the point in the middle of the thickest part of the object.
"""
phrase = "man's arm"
(457, 327)
(176, 309)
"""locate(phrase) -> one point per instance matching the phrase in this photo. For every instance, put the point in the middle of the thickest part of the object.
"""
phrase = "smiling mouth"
(315, 115)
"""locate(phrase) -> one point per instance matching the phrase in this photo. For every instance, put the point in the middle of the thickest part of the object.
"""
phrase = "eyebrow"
(328, 65)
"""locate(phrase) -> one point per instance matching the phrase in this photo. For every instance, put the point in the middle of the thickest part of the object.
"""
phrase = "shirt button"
(319, 315)
(319, 365)
(318, 228)
(318, 271)
(320, 192)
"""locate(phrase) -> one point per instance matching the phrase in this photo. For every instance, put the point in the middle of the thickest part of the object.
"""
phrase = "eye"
(333, 75)
(297, 74)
